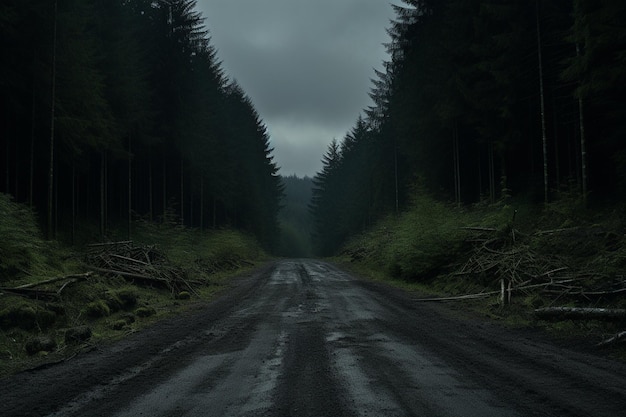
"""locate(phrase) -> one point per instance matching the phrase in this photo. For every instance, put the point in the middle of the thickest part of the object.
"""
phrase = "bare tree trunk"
(480, 175)
(201, 203)
(543, 115)
(102, 192)
(557, 168)
(492, 173)
(182, 192)
(457, 165)
(32, 139)
(16, 165)
(150, 197)
(583, 145)
(395, 173)
(164, 190)
(56, 199)
(6, 167)
(583, 151)
(106, 192)
(73, 201)
(130, 188)
(191, 209)
(214, 212)
(51, 172)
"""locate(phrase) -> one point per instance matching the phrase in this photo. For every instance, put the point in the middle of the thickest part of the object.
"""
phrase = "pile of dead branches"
(142, 264)
(505, 258)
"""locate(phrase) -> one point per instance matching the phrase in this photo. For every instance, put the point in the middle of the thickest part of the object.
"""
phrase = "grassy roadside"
(560, 255)
(50, 322)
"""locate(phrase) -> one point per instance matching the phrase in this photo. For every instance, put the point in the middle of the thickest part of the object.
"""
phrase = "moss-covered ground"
(560, 254)
(52, 322)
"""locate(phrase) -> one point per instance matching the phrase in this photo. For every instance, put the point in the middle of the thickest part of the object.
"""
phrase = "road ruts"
(303, 338)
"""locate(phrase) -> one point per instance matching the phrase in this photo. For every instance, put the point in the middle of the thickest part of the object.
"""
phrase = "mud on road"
(303, 338)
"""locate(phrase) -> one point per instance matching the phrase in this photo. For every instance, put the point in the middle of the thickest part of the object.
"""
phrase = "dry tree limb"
(56, 279)
(608, 292)
(32, 293)
(581, 313)
(620, 337)
(66, 284)
(553, 271)
(459, 297)
(549, 232)
(129, 274)
(107, 244)
(479, 229)
(128, 259)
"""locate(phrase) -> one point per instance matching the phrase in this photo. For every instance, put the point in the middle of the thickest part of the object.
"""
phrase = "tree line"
(483, 99)
(115, 110)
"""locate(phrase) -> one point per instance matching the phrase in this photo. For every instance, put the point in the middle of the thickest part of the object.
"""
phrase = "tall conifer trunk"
(102, 192)
(52, 108)
(32, 137)
(214, 212)
(544, 139)
(201, 203)
(457, 165)
(583, 145)
(150, 196)
(130, 188)
(182, 192)
(164, 190)
(492, 172)
(73, 200)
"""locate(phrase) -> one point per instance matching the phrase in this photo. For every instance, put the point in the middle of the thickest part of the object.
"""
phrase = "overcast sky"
(305, 64)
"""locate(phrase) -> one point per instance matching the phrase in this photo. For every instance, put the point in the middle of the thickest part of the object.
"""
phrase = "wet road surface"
(303, 338)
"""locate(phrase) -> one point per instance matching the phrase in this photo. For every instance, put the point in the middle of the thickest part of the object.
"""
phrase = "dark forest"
(113, 111)
(482, 100)
(119, 111)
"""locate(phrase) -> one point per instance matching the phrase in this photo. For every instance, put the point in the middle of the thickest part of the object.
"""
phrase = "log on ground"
(581, 313)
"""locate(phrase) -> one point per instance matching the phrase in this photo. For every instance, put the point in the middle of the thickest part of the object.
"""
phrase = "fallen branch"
(56, 279)
(548, 232)
(548, 273)
(125, 258)
(460, 297)
(620, 337)
(581, 313)
(130, 275)
(32, 293)
(480, 229)
(125, 242)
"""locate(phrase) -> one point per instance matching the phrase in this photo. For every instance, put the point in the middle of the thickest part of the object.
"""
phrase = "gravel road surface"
(303, 338)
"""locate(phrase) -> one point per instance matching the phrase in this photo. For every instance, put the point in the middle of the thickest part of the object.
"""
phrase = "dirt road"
(302, 338)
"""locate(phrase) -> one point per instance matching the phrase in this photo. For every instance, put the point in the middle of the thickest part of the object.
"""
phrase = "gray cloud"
(306, 65)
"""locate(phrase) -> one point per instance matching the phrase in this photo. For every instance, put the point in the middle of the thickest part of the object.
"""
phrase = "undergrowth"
(24, 254)
(442, 249)
(35, 329)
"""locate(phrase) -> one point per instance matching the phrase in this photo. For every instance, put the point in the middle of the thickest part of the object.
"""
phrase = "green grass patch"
(439, 249)
(417, 245)
(101, 309)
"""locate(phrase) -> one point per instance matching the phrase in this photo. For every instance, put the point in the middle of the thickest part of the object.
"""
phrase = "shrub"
(96, 309)
(118, 324)
(145, 312)
(76, 335)
(418, 244)
(184, 295)
(22, 245)
(40, 344)
(122, 298)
